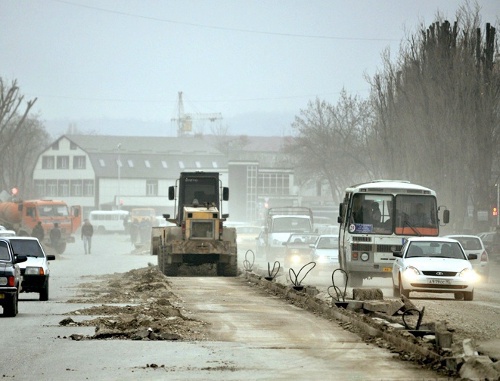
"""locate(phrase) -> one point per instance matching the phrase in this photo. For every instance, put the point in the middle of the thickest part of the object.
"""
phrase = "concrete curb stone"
(475, 367)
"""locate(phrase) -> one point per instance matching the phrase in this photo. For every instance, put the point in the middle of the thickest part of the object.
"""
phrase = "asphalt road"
(257, 337)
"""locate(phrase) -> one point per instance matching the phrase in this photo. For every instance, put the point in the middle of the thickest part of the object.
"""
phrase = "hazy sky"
(130, 58)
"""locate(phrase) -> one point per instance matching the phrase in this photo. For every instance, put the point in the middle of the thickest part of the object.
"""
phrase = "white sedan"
(433, 264)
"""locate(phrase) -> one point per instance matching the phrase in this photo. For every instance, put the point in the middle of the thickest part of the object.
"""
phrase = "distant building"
(122, 172)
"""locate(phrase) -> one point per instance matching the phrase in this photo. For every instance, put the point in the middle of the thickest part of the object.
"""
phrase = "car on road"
(298, 251)
(35, 270)
(325, 252)
(472, 244)
(435, 265)
(7, 233)
(492, 248)
(247, 235)
(10, 278)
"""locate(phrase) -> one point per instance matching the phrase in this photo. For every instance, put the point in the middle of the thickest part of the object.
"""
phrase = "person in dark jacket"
(55, 236)
(87, 233)
(38, 231)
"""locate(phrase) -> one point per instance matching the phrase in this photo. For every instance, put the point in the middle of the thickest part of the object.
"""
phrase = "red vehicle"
(22, 216)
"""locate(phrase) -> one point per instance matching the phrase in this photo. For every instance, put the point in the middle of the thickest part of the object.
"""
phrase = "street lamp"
(119, 164)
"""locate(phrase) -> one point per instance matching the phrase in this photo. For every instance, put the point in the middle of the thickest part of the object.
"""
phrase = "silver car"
(472, 244)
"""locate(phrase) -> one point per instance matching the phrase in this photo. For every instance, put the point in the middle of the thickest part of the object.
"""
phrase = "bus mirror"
(166, 216)
(446, 216)
(339, 219)
(341, 209)
(171, 193)
(225, 194)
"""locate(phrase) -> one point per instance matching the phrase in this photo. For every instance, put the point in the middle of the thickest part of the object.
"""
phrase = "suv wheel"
(10, 308)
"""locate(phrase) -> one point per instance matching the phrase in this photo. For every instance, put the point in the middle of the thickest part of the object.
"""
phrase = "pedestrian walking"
(38, 231)
(55, 236)
(134, 231)
(87, 233)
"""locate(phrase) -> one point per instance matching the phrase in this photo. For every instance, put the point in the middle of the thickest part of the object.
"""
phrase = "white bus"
(376, 217)
(108, 220)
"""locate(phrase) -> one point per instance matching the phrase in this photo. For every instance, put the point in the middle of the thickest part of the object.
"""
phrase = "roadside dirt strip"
(430, 346)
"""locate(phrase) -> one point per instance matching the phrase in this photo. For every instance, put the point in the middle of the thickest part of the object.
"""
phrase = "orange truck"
(22, 217)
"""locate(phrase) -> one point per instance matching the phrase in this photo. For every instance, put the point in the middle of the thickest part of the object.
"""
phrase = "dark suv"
(10, 278)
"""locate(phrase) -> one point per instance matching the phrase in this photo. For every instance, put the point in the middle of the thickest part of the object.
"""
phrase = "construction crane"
(185, 121)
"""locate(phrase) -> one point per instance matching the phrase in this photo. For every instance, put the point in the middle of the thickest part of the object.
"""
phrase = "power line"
(215, 27)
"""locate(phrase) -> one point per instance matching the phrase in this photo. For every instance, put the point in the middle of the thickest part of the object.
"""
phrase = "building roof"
(143, 157)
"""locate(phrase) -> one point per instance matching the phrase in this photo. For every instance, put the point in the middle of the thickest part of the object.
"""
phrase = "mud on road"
(135, 305)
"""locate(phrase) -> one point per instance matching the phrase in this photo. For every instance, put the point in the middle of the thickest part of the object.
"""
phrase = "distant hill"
(251, 124)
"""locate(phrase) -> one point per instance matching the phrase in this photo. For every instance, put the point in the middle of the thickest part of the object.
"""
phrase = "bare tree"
(21, 139)
(437, 111)
(332, 143)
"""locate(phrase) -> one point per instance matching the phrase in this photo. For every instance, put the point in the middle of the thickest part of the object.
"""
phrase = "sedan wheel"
(468, 296)
(402, 291)
(395, 290)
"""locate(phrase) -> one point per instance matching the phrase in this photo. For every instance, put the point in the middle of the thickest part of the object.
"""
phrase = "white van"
(108, 220)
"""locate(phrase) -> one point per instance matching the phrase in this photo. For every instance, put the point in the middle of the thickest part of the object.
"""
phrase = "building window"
(273, 184)
(88, 188)
(40, 188)
(51, 189)
(164, 164)
(63, 162)
(63, 188)
(198, 164)
(130, 163)
(181, 164)
(79, 162)
(48, 162)
(72, 146)
(55, 146)
(102, 163)
(151, 187)
(147, 163)
(76, 188)
(214, 164)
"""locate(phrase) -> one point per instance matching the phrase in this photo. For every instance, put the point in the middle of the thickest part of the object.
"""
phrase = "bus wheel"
(355, 280)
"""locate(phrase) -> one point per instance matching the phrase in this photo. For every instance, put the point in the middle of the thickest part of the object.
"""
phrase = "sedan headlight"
(411, 273)
(34, 271)
(295, 259)
(469, 275)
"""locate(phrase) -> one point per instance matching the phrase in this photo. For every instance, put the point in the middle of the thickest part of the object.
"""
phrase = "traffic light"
(495, 211)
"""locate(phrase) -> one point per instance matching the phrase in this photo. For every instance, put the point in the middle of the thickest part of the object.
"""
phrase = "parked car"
(325, 252)
(433, 264)
(472, 244)
(35, 271)
(298, 251)
(10, 278)
(7, 233)
(492, 249)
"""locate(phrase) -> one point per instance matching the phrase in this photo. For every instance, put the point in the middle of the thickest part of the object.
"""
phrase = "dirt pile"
(139, 305)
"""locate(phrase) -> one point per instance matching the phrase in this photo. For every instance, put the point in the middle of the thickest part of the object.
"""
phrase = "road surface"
(255, 337)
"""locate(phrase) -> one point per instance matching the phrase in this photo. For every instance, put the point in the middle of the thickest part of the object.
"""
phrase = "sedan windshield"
(435, 250)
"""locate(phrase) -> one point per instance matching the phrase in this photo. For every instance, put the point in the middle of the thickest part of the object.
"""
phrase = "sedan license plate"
(2, 296)
(439, 281)
(387, 269)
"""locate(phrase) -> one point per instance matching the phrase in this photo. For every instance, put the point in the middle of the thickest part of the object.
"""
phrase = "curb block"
(467, 365)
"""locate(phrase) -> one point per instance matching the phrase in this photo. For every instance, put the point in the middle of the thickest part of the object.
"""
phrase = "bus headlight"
(365, 256)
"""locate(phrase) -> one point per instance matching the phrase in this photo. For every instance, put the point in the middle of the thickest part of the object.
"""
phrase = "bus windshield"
(402, 214)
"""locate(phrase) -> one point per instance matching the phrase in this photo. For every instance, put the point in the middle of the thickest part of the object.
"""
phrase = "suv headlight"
(34, 271)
